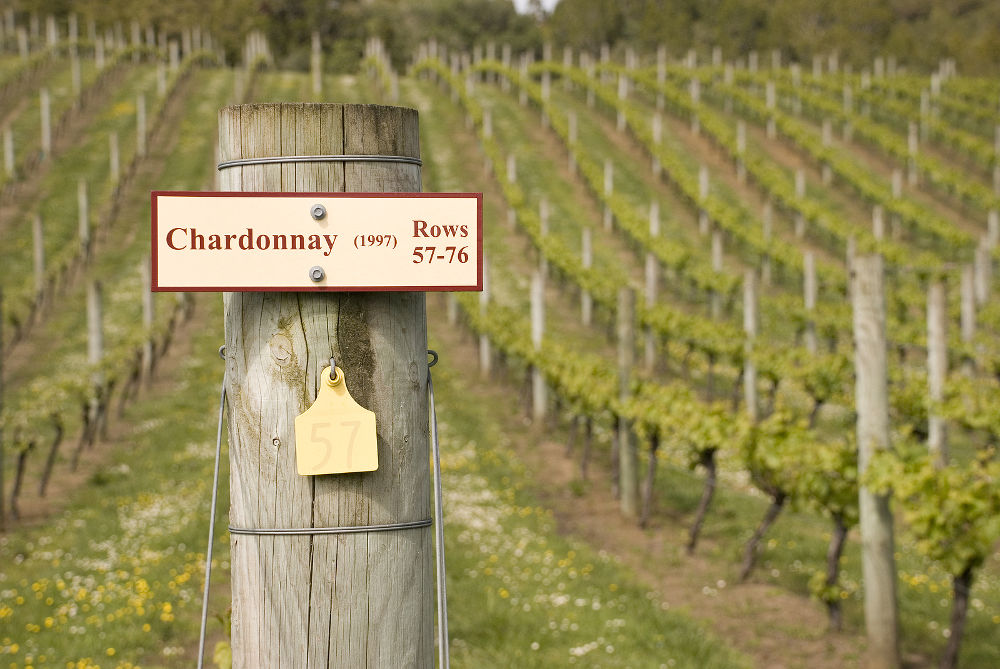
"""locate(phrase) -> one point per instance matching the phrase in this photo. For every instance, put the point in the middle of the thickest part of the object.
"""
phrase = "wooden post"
(140, 124)
(809, 298)
(628, 455)
(99, 52)
(316, 64)
(346, 600)
(695, 92)
(95, 346)
(538, 391)
(872, 400)
(609, 189)
(750, 330)
(38, 248)
(652, 281)
(968, 311)
(83, 215)
(587, 260)
(46, 113)
(661, 74)
(767, 225)
(937, 370)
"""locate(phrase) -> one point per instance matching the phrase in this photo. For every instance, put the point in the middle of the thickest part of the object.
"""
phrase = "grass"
(115, 579)
(519, 593)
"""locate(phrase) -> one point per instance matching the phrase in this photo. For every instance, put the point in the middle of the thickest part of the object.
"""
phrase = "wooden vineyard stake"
(937, 370)
(538, 391)
(750, 330)
(628, 456)
(872, 398)
(362, 599)
(83, 215)
(809, 289)
(45, 107)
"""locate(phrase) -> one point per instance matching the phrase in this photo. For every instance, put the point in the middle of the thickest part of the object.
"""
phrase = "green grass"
(116, 578)
(519, 593)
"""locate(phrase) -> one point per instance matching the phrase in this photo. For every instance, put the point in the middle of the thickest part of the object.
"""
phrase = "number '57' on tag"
(335, 435)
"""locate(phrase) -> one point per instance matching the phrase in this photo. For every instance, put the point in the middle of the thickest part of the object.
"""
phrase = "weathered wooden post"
(114, 159)
(95, 352)
(539, 395)
(38, 249)
(83, 216)
(937, 370)
(872, 398)
(809, 289)
(628, 455)
(361, 599)
(45, 109)
(750, 330)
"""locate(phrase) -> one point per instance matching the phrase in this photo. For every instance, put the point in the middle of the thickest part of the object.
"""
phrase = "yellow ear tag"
(335, 435)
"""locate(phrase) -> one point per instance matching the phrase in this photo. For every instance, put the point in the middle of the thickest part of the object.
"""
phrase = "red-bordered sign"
(223, 241)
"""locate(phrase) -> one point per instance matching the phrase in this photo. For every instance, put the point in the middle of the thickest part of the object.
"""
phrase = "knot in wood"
(281, 348)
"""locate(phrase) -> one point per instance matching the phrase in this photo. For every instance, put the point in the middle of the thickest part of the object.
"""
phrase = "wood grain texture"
(353, 600)
(872, 398)
(628, 454)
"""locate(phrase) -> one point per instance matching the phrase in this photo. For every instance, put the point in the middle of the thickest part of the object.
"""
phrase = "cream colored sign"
(316, 241)
(335, 435)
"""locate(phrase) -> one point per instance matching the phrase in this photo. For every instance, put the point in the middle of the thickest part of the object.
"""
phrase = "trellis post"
(327, 600)
(872, 398)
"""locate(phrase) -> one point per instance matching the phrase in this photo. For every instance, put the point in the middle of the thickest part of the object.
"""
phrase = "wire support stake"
(338, 158)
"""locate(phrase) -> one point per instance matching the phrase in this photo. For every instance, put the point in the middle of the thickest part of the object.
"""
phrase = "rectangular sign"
(214, 241)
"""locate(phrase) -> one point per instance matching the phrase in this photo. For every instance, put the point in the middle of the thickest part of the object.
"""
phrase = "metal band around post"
(351, 529)
(339, 158)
